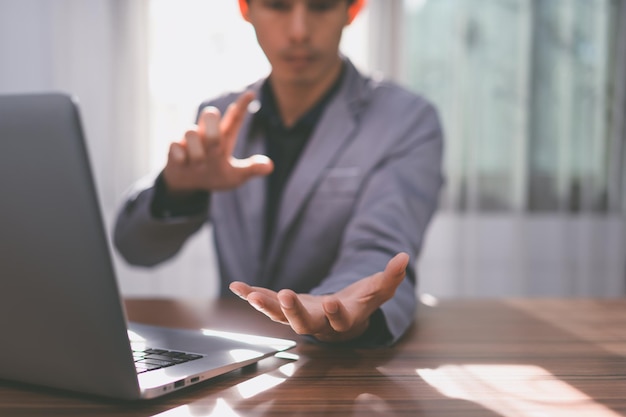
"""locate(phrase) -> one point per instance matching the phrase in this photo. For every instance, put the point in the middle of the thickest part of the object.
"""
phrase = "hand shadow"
(331, 381)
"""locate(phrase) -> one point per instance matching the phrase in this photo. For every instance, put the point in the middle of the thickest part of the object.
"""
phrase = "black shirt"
(284, 145)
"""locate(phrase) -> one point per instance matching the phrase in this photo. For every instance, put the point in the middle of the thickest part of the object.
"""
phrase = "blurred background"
(531, 94)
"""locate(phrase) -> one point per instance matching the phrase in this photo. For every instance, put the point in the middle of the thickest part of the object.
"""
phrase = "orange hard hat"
(353, 10)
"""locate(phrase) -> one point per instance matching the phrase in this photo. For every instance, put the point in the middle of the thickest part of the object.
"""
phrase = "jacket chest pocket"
(340, 182)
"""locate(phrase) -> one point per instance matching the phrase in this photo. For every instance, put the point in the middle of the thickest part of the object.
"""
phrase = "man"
(318, 200)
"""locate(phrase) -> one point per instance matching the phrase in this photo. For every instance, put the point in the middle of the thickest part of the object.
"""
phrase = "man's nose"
(299, 29)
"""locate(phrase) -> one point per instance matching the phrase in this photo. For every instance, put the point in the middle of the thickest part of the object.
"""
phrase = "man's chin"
(299, 78)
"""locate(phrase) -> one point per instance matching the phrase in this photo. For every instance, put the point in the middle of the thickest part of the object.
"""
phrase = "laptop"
(62, 320)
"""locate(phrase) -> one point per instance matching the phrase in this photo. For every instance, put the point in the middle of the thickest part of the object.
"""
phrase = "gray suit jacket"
(364, 189)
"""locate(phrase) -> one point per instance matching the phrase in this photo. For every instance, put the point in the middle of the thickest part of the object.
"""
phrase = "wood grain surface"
(461, 358)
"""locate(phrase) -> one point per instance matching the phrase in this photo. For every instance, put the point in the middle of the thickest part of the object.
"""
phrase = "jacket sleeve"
(392, 212)
(145, 240)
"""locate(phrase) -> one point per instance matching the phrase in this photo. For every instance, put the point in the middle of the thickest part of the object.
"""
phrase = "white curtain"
(96, 50)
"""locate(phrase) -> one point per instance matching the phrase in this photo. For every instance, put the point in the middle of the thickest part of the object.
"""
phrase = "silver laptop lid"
(60, 310)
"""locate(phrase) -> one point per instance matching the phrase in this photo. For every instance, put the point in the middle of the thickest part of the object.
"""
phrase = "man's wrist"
(377, 333)
(167, 203)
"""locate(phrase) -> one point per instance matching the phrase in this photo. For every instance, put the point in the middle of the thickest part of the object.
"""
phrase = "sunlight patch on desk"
(222, 409)
(371, 403)
(288, 369)
(258, 384)
(513, 390)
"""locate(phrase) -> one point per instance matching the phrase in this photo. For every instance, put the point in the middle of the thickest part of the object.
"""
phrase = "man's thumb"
(256, 165)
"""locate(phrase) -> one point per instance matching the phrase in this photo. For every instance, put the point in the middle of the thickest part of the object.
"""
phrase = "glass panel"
(523, 90)
(570, 105)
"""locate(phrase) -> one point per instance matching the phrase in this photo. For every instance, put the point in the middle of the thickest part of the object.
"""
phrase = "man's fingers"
(396, 267)
(243, 290)
(235, 113)
(233, 117)
(299, 318)
(240, 289)
(195, 147)
(177, 154)
(256, 165)
(387, 282)
(394, 273)
(209, 126)
(337, 315)
(262, 299)
(267, 305)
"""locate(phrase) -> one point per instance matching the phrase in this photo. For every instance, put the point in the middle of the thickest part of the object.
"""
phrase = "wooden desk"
(461, 358)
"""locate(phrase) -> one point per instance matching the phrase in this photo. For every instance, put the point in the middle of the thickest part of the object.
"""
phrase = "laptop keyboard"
(149, 359)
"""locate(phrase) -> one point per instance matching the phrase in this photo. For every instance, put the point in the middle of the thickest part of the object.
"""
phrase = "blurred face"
(300, 37)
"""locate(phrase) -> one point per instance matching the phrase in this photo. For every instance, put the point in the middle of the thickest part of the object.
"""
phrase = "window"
(526, 91)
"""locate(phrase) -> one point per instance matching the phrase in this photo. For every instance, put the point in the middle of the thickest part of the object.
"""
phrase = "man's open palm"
(329, 318)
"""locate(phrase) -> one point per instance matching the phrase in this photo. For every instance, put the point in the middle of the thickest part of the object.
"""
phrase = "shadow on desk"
(324, 382)
(461, 358)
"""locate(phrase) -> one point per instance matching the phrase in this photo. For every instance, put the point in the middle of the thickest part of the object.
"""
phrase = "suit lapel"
(333, 131)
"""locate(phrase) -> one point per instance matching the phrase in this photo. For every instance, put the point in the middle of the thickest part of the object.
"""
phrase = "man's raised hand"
(203, 158)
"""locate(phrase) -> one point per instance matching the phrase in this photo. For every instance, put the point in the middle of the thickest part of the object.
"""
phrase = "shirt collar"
(268, 114)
